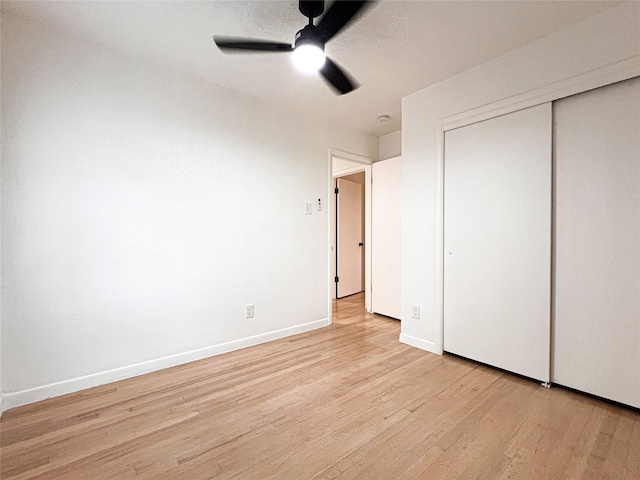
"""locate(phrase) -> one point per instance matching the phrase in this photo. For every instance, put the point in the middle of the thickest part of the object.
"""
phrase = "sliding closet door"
(498, 241)
(597, 306)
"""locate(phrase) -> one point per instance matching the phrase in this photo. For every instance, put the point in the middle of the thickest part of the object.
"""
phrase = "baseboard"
(420, 343)
(24, 397)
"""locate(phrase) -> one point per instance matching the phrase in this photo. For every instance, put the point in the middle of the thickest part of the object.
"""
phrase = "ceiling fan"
(308, 47)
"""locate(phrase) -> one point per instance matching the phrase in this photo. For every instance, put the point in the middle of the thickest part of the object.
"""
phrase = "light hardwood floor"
(346, 401)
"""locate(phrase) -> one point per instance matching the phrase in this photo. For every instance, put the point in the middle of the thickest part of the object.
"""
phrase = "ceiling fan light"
(308, 57)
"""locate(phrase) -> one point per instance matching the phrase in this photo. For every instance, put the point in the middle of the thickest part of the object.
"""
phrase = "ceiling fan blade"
(339, 15)
(337, 78)
(248, 45)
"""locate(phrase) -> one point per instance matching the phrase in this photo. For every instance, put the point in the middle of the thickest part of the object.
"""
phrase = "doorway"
(357, 170)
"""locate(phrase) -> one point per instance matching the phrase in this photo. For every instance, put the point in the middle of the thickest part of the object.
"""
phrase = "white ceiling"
(399, 47)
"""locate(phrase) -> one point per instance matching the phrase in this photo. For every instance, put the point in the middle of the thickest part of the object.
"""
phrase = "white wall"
(141, 210)
(390, 145)
(611, 40)
(340, 166)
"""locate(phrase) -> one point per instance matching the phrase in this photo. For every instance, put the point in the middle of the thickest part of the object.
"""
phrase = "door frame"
(363, 165)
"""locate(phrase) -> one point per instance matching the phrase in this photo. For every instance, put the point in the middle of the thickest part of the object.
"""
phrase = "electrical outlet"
(309, 208)
(249, 310)
(415, 311)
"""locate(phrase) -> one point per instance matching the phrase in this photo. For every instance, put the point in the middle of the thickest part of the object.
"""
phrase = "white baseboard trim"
(420, 343)
(24, 397)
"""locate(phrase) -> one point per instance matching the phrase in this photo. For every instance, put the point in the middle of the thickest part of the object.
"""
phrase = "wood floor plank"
(342, 402)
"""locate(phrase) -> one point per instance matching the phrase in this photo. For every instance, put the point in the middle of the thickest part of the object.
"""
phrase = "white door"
(386, 211)
(497, 265)
(597, 307)
(349, 238)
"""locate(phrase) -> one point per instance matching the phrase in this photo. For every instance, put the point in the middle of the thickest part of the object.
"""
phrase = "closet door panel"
(597, 287)
(498, 241)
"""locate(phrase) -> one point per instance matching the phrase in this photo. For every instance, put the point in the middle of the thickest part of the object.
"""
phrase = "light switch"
(309, 208)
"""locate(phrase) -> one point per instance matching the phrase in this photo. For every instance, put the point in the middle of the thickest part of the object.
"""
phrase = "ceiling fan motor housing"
(308, 35)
